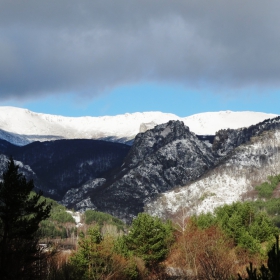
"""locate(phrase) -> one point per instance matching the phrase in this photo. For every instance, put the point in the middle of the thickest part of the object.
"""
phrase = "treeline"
(21, 212)
(26, 218)
(269, 199)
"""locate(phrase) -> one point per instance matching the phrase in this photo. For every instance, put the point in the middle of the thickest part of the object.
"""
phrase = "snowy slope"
(211, 122)
(30, 126)
(231, 181)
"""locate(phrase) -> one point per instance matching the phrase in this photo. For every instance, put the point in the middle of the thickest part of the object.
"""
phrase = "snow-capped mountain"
(21, 126)
(169, 165)
(171, 157)
(211, 122)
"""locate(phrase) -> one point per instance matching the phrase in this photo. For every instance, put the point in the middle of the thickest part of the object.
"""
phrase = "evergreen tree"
(96, 259)
(149, 238)
(20, 214)
(272, 271)
(88, 260)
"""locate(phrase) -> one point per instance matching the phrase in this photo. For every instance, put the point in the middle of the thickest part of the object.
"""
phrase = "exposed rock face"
(226, 140)
(167, 156)
(146, 126)
(164, 136)
(233, 179)
(24, 169)
(79, 194)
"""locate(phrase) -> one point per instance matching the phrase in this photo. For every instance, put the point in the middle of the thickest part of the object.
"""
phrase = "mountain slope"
(64, 164)
(254, 157)
(211, 122)
(123, 180)
(170, 156)
(21, 126)
(160, 159)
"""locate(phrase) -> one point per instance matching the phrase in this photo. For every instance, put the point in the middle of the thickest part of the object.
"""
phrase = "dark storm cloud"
(90, 46)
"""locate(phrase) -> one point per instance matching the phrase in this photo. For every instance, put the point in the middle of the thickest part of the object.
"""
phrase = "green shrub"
(265, 190)
(101, 218)
(241, 222)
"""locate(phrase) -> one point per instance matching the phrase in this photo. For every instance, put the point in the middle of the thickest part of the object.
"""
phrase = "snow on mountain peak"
(37, 126)
(211, 122)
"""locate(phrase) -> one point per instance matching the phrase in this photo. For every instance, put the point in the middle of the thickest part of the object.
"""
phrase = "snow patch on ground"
(76, 216)
(202, 196)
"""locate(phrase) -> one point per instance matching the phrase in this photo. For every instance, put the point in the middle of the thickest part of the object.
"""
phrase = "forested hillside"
(186, 246)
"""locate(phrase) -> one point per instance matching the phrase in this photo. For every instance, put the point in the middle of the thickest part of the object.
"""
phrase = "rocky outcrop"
(23, 169)
(233, 179)
(227, 139)
(165, 157)
(79, 194)
(146, 126)
(160, 159)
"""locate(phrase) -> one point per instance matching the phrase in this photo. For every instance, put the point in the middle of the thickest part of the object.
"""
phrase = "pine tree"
(273, 262)
(96, 259)
(21, 211)
(272, 271)
(149, 238)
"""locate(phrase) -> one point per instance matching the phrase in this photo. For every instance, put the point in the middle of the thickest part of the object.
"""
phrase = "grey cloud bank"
(90, 46)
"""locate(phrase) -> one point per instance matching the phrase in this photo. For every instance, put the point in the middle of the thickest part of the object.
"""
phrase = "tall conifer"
(20, 214)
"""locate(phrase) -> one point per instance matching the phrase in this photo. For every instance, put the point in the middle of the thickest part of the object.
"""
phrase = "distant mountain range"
(198, 162)
(20, 126)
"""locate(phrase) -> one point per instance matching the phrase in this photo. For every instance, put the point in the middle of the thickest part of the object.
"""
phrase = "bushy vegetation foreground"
(238, 241)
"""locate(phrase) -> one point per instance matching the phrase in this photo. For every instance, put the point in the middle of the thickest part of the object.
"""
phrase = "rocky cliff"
(167, 157)
(226, 140)
(160, 159)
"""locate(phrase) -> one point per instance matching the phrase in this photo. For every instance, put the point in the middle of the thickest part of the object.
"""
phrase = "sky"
(107, 57)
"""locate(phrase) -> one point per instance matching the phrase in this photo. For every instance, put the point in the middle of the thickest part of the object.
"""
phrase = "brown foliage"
(203, 254)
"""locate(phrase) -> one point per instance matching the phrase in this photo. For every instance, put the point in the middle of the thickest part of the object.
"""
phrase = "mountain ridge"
(171, 156)
(63, 164)
(165, 161)
(21, 126)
